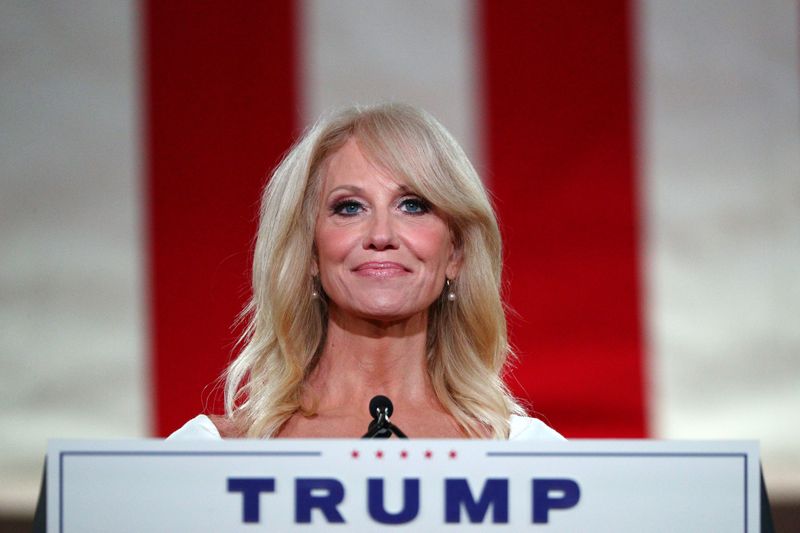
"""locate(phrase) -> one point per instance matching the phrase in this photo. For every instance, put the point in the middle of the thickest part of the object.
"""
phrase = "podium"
(413, 485)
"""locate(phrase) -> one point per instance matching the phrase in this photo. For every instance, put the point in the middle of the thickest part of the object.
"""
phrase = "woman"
(377, 270)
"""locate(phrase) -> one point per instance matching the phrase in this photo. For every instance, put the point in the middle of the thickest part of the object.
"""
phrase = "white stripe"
(72, 344)
(419, 52)
(721, 142)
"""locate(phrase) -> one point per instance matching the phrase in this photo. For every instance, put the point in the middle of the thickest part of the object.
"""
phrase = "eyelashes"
(349, 207)
(415, 205)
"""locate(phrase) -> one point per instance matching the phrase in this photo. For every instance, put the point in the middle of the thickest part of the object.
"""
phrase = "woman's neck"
(364, 358)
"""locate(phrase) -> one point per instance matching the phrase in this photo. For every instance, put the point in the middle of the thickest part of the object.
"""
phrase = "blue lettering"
(377, 510)
(568, 494)
(305, 500)
(250, 488)
(457, 493)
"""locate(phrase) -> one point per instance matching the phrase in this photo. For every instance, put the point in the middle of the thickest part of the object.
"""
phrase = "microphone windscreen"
(378, 404)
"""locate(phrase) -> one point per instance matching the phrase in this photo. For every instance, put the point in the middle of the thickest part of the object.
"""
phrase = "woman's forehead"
(352, 169)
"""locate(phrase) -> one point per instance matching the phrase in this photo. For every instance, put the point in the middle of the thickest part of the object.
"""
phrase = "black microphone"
(380, 405)
(380, 409)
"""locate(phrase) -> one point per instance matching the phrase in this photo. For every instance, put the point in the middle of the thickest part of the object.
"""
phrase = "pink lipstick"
(381, 269)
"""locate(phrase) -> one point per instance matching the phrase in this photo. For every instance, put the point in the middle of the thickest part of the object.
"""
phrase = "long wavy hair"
(285, 327)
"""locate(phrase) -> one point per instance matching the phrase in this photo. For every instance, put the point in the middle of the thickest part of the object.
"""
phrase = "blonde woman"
(377, 270)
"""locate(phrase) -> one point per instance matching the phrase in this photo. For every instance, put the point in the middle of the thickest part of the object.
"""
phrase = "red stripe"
(559, 112)
(221, 108)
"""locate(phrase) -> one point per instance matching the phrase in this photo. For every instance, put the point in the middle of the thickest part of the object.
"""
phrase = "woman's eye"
(347, 208)
(414, 206)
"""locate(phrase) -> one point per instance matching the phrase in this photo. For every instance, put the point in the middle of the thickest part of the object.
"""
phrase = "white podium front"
(416, 485)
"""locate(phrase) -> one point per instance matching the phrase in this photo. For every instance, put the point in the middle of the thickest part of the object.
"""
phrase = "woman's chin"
(381, 312)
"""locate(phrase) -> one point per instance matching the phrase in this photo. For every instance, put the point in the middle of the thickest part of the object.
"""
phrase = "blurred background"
(643, 157)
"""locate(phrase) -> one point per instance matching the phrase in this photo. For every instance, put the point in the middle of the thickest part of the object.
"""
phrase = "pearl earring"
(314, 289)
(451, 294)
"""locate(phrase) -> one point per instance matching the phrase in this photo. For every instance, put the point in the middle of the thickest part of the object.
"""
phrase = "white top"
(522, 428)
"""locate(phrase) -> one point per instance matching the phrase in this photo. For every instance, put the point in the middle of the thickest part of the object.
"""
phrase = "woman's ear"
(314, 261)
(456, 259)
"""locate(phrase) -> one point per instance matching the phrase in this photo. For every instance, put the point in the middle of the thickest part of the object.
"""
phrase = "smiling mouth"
(381, 269)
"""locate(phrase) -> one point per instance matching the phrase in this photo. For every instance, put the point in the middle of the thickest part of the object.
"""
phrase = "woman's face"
(382, 252)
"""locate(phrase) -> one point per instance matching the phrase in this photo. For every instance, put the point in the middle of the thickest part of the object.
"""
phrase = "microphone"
(380, 409)
(380, 405)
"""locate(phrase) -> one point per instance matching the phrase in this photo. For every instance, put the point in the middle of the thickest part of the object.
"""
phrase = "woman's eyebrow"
(350, 188)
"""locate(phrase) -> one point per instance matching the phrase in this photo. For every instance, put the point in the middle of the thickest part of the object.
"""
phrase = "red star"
(379, 454)
(452, 454)
(428, 454)
(354, 454)
(404, 454)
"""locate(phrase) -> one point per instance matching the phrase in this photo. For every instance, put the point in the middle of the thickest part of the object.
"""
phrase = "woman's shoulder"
(526, 428)
(200, 427)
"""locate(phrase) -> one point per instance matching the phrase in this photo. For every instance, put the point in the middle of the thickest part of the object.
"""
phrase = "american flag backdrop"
(643, 157)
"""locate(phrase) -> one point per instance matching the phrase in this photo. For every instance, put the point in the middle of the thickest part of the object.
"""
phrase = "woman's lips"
(381, 269)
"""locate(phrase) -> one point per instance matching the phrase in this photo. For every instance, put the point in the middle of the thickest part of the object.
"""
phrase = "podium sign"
(416, 485)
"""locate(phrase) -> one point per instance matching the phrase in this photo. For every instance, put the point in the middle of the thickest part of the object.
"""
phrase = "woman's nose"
(380, 234)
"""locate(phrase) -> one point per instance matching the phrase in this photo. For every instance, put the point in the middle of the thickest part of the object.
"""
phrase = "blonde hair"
(467, 343)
